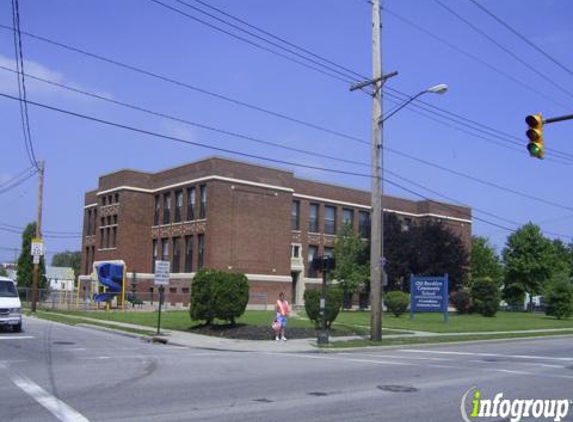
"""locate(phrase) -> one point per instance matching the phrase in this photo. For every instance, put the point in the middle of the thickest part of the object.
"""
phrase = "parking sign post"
(161, 280)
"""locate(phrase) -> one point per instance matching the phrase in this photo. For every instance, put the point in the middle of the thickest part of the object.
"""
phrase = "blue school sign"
(429, 294)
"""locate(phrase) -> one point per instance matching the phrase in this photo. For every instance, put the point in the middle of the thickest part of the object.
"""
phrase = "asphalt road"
(52, 372)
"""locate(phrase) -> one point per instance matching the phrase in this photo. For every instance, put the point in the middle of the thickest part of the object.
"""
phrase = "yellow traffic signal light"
(535, 135)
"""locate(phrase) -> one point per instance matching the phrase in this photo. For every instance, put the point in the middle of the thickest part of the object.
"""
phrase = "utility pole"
(38, 234)
(376, 222)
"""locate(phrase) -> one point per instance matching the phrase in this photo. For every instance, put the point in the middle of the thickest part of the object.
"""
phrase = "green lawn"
(439, 339)
(180, 320)
(433, 322)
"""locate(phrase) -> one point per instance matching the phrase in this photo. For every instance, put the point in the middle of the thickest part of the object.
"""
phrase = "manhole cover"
(317, 394)
(398, 388)
(263, 400)
(64, 343)
(490, 360)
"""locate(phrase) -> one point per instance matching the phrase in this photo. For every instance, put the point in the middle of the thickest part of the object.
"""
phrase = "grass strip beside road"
(405, 341)
(74, 320)
(474, 323)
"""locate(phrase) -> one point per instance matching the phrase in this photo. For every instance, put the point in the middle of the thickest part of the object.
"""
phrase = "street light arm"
(396, 110)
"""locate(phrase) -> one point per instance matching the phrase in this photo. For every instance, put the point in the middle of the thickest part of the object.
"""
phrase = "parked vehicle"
(10, 306)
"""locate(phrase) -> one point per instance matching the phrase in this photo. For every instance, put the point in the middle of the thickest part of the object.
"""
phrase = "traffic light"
(535, 135)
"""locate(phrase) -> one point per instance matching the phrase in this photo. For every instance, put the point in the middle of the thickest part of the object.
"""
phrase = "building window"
(364, 224)
(165, 249)
(157, 209)
(313, 218)
(89, 223)
(328, 251)
(188, 254)
(295, 215)
(347, 216)
(103, 200)
(203, 208)
(295, 251)
(115, 219)
(185, 290)
(107, 238)
(154, 255)
(178, 205)
(109, 199)
(166, 208)
(87, 267)
(329, 219)
(312, 252)
(201, 251)
(116, 198)
(190, 204)
(101, 238)
(94, 222)
(176, 255)
(114, 237)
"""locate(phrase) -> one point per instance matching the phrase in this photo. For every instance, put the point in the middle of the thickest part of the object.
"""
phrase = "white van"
(10, 306)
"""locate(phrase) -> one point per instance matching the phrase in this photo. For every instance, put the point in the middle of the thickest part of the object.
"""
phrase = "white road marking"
(55, 406)
(487, 355)
(15, 337)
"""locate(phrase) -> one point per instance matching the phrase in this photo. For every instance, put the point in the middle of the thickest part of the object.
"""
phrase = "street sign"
(37, 248)
(36, 259)
(161, 273)
(429, 294)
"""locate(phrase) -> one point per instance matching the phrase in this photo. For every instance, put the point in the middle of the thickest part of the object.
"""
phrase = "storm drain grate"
(64, 343)
(398, 388)
(317, 394)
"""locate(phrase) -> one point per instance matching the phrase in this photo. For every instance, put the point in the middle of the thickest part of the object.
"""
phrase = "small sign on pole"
(161, 279)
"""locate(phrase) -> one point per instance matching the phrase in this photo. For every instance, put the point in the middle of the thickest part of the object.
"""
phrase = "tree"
(435, 250)
(25, 261)
(528, 259)
(397, 251)
(352, 268)
(484, 260)
(68, 259)
(561, 257)
(3, 272)
(333, 303)
(485, 296)
(559, 297)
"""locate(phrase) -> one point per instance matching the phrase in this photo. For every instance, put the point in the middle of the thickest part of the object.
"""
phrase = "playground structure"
(109, 286)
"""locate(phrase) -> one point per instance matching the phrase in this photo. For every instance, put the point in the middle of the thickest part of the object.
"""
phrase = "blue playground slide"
(111, 276)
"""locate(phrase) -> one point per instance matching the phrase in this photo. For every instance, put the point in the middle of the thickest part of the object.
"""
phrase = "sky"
(491, 90)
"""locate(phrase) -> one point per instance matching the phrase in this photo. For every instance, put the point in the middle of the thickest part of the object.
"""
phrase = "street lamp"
(377, 221)
(438, 89)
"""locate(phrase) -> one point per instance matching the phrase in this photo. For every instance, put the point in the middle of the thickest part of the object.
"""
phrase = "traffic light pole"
(558, 119)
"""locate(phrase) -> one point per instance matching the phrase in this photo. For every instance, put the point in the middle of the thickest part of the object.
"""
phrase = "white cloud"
(9, 85)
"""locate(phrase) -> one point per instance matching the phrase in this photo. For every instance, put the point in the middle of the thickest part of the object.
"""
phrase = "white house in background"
(60, 278)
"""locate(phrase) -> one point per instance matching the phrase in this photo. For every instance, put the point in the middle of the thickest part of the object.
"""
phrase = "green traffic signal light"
(535, 135)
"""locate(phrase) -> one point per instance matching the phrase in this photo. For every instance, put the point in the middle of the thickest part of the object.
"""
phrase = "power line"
(18, 180)
(210, 93)
(474, 57)
(19, 56)
(477, 126)
(53, 236)
(188, 86)
(184, 141)
(179, 140)
(310, 53)
(522, 37)
(241, 136)
(53, 232)
(505, 49)
(346, 80)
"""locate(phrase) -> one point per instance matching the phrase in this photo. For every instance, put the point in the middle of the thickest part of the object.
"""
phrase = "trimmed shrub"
(558, 298)
(462, 301)
(397, 302)
(485, 296)
(334, 297)
(230, 296)
(217, 294)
